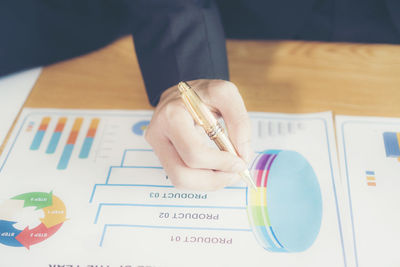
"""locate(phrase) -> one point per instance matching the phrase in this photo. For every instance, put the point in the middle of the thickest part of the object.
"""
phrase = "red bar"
(266, 178)
(44, 123)
(91, 132)
(72, 138)
(93, 127)
(60, 124)
(259, 177)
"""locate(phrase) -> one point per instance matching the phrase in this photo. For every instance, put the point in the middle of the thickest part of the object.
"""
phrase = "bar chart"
(73, 134)
(392, 144)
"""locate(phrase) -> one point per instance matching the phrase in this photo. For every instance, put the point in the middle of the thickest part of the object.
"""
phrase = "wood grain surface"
(354, 79)
(293, 77)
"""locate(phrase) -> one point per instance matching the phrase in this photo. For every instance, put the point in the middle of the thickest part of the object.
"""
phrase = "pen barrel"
(199, 111)
(205, 118)
(221, 139)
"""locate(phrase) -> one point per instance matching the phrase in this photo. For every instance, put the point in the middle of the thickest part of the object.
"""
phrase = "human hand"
(180, 144)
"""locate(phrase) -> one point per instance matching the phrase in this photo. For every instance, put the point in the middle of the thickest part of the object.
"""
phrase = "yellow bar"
(256, 196)
(77, 124)
(62, 120)
(398, 139)
(45, 121)
(370, 178)
(94, 123)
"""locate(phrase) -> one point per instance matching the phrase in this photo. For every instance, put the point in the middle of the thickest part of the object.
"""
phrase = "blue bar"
(391, 144)
(87, 144)
(370, 173)
(66, 155)
(37, 140)
(51, 148)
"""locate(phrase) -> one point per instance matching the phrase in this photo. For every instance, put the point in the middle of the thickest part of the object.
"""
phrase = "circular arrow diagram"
(54, 216)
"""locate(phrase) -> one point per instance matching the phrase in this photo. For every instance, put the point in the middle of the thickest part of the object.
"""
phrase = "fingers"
(193, 150)
(187, 178)
(231, 106)
(183, 152)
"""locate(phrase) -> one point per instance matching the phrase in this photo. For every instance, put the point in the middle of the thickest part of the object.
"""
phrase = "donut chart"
(54, 216)
(285, 211)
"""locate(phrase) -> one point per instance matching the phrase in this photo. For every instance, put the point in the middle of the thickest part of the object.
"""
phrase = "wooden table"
(292, 77)
(289, 77)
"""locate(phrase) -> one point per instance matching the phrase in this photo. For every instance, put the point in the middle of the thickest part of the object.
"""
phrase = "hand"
(180, 144)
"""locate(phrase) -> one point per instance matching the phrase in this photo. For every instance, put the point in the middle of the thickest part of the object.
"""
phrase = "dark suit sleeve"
(178, 40)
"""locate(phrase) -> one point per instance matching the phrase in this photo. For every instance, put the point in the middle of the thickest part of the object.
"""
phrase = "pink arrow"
(36, 235)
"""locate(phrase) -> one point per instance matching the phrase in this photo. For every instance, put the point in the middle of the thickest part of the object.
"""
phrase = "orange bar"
(44, 123)
(370, 178)
(93, 128)
(75, 131)
(91, 133)
(371, 184)
(60, 124)
(72, 138)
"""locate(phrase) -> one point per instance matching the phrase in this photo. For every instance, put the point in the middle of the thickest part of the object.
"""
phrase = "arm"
(184, 40)
(178, 40)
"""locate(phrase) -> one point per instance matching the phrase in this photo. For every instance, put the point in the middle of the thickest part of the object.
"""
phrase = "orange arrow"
(55, 214)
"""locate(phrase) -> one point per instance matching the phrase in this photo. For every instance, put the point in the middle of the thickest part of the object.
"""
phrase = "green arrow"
(36, 199)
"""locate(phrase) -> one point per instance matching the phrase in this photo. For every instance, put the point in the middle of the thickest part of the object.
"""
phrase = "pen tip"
(248, 179)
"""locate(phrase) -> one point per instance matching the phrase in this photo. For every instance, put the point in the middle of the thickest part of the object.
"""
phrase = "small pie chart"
(139, 127)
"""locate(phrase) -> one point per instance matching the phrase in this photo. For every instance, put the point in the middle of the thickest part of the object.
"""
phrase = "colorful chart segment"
(285, 211)
(392, 144)
(87, 144)
(56, 136)
(258, 202)
(69, 147)
(54, 216)
(139, 127)
(37, 140)
(371, 179)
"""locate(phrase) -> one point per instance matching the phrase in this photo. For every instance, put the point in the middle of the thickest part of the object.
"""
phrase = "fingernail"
(245, 153)
(238, 166)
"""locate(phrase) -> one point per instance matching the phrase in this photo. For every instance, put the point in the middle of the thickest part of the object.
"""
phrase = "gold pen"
(203, 117)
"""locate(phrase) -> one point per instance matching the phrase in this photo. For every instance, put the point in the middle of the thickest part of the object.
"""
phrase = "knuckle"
(192, 159)
(242, 119)
(230, 87)
(148, 135)
(172, 112)
(229, 94)
(178, 180)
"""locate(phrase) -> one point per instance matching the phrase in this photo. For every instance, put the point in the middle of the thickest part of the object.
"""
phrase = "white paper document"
(370, 160)
(14, 89)
(83, 188)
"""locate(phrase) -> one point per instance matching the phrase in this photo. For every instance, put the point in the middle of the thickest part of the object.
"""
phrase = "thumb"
(232, 108)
